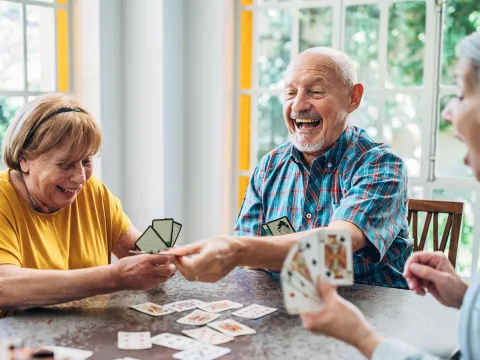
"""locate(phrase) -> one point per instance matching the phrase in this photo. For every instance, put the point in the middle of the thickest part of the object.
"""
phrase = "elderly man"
(330, 175)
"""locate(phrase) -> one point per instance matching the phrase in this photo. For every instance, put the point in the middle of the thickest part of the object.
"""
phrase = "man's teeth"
(306, 120)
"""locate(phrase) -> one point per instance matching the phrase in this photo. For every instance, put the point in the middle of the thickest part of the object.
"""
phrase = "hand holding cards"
(325, 253)
(162, 234)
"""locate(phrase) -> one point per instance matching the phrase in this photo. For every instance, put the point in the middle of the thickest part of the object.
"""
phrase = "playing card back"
(164, 228)
(150, 242)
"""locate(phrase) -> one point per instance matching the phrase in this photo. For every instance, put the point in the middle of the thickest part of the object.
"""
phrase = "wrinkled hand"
(435, 273)
(207, 260)
(342, 320)
(142, 272)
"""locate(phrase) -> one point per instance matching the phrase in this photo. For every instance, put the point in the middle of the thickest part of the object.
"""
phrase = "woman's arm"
(20, 287)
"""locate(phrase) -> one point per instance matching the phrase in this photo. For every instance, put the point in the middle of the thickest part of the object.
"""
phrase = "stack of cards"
(162, 234)
(327, 253)
(280, 226)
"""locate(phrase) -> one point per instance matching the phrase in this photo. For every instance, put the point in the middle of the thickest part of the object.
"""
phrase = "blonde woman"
(58, 222)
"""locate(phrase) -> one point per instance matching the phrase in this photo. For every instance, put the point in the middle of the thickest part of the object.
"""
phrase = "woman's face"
(52, 181)
(463, 112)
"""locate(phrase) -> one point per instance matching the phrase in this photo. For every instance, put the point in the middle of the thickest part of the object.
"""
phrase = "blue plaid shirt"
(356, 180)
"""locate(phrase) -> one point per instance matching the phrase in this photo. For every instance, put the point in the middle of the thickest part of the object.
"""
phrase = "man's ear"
(355, 97)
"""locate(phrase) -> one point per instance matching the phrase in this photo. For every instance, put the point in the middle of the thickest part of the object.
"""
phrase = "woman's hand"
(342, 320)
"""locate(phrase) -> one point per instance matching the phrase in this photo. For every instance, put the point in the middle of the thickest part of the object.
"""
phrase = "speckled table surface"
(92, 324)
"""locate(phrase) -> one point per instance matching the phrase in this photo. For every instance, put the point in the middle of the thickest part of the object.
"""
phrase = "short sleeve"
(251, 212)
(377, 202)
(118, 222)
(10, 252)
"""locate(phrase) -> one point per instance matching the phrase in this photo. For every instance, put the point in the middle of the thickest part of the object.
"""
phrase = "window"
(394, 45)
(34, 53)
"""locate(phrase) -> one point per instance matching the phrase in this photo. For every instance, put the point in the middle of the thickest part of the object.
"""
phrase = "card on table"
(206, 352)
(254, 311)
(231, 327)
(176, 342)
(134, 340)
(66, 353)
(198, 317)
(184, 305)
(126, 358)
(152, 309)
(208, 336)
(280, 226)
(219, 306)
(164, 228)
(150, 242)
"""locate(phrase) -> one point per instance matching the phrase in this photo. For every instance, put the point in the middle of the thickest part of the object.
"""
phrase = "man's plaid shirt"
(356, 180)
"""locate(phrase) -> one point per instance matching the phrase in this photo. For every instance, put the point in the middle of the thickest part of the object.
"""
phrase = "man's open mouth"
(306, 123)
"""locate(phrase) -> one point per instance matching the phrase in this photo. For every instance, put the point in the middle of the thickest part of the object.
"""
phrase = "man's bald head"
(338, 61)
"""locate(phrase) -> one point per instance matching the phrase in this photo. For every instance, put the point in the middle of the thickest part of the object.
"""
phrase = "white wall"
(164, 92)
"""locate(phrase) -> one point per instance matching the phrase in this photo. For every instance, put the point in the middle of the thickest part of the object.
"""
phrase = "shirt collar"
(333, 155)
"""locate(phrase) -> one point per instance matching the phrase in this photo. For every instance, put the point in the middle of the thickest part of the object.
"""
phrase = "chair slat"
(452, 253)
(435, 231)
(446, 232)
(426, 225)
(415, 231)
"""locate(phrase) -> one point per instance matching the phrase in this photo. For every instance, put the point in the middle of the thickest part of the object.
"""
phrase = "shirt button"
(309, 216)
(329, 165)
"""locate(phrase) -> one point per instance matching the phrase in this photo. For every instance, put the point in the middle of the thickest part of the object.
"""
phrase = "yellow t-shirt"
(78, 236)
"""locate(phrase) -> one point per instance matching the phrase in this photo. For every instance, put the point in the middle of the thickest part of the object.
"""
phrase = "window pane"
(403, 130)
(450, 151)
(11, 47)
(362, 41)
(462, 17)
(315, 27)
(272, 130)
(464, 254)
(406, 40)
(274, 46)
(366, 117)
(40, 48)
(8, 108)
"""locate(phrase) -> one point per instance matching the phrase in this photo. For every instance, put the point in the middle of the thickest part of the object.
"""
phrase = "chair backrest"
(452, 226)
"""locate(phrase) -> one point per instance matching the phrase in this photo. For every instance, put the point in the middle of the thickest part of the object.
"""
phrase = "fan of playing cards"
(162, 234)
(327, 253)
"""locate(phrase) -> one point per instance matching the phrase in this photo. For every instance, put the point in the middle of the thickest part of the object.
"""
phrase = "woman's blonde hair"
(44, 123)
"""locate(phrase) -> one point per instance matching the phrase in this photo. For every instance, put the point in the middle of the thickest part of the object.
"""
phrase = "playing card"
(206, 352)
(219, 306)
(176, 342)
(295, 271)
(152, 309)
(126, 358)
(150, 241)
(231, 327)
(184, 305)
(254, 311)
(198, 317)
(175, 232)
(267, 230)
(134, 340)
(337, 260)
(312, 252)
(280, 226)
(164, 228)
(65, 353)
(208, 336)
(297, 302)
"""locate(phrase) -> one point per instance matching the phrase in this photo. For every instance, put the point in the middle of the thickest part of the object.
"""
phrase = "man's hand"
(435, 273)
(342, 320)
(142, 272)
(210, 259)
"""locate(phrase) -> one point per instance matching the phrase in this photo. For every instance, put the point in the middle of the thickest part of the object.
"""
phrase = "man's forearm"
(270, 252)
(29, 287)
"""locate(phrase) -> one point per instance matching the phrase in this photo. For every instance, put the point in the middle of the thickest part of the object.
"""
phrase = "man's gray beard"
(308, 147)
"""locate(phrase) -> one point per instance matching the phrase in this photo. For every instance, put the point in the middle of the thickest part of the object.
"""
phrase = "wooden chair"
(452, 227)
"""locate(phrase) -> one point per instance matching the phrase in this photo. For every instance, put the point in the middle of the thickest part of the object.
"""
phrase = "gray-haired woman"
(424, 271)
